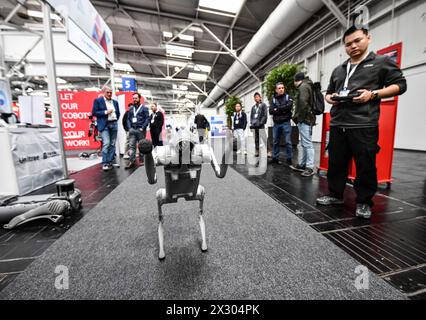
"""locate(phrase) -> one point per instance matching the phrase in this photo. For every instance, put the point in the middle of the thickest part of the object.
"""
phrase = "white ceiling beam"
(336, 12)
(170, 15)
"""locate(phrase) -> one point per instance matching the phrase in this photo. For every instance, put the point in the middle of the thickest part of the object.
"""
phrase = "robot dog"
(182, 159)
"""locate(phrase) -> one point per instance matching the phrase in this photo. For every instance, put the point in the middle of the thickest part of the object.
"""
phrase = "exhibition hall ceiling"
(163, 43)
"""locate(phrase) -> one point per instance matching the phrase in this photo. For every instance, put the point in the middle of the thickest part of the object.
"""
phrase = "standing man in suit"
(107, 113)
(137, 122)
(258, 118)
(156, 125)
(240, 124)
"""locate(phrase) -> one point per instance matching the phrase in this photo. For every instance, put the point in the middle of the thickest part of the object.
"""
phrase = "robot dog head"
(145, 146)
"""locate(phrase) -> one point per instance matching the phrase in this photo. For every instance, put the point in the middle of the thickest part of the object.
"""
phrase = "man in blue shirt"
(137, 122)
(107, 113)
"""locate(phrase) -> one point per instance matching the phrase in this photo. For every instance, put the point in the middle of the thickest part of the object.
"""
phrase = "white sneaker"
(239, 152)
(245, 152)
(105, 167)
(126, 157)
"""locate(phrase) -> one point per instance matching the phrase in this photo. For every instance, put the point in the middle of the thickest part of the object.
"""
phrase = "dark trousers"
(360, 143)
(155, 137)
(256, 133)
(135, 136)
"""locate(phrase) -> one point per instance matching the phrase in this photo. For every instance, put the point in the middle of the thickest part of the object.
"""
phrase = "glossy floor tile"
(391, 244)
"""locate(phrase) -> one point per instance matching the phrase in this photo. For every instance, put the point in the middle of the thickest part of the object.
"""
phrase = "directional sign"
(129, 84)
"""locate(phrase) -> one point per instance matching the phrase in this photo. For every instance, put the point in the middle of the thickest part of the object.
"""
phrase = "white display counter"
(30, 158)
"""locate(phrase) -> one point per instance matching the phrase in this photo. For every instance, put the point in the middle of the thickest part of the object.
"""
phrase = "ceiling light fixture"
(197, 76)
(178, 51)
(186, 37)
(220, 6)
(39, 14)
(123, 67)
(202, 68)
(217, 12)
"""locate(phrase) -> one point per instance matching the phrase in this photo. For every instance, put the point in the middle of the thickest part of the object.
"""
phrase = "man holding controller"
(355, 90)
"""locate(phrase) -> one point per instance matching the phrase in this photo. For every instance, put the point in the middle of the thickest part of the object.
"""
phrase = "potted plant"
(230, 109)
(283, 73)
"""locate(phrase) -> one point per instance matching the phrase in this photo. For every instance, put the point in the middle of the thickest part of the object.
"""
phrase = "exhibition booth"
(35, 159)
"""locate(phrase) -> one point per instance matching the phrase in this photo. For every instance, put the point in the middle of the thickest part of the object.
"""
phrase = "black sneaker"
(363, 210)
(298, 168)
(329, 200)
(275, 161)
(130, 165)
(307, 173)
(289, 162)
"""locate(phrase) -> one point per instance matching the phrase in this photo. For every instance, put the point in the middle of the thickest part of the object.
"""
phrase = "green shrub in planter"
(283, 73)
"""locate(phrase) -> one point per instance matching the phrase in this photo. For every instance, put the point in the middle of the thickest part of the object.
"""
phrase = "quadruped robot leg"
(182, 160)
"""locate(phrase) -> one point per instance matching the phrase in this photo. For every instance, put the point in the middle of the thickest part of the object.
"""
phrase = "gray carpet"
(257, 250)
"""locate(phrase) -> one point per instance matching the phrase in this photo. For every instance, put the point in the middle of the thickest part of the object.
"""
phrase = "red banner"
(76, 107)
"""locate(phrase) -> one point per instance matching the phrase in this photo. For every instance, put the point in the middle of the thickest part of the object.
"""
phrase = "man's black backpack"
(318, 103)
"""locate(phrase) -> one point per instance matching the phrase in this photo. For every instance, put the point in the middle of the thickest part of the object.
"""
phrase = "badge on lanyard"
(344, 93)
(135, 112)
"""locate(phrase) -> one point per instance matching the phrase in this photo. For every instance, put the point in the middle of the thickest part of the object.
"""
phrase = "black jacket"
(374, 73)
(242, 121)
(142, 117)
(201, 122)
(280, 108)
(262, 116)
(303, 103)
(157, 125)
(124, 121)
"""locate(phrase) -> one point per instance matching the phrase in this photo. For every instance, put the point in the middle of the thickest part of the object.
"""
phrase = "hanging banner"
(85, 16)
(82, 41)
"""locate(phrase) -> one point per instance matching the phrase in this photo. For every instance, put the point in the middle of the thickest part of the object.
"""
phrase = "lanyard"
(350, 73)
(136, 112)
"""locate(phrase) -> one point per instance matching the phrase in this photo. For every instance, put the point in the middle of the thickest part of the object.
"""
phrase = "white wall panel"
(411, 117)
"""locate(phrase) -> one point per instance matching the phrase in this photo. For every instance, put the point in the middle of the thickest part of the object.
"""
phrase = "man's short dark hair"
(139, 95)
(257, 94)
(279, 84)
(354, 29)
